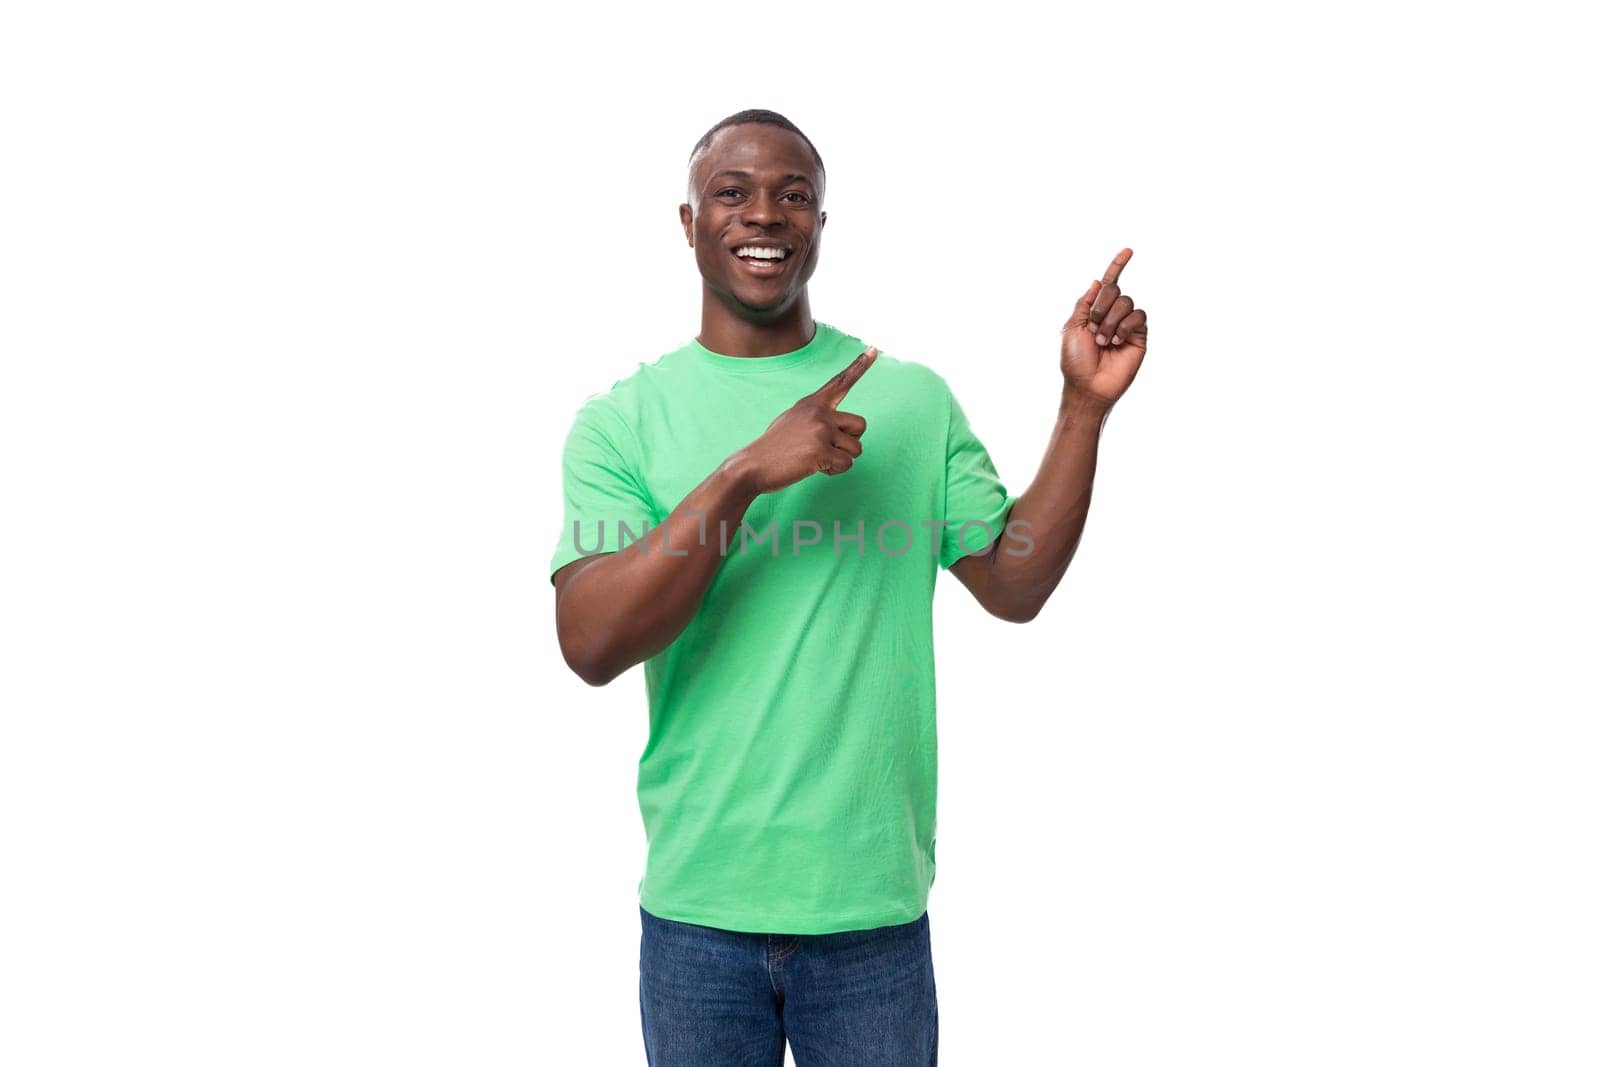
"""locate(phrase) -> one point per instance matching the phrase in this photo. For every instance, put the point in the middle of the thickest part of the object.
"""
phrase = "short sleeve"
(976, 501)
(605, 506)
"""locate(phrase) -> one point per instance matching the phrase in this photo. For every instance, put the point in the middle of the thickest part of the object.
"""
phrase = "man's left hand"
(1103, 342)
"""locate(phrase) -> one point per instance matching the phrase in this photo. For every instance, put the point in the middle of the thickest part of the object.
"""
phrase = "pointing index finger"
(1114, 271)
(835, 388)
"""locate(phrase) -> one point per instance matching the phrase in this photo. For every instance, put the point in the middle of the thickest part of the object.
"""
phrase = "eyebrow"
(787, 178)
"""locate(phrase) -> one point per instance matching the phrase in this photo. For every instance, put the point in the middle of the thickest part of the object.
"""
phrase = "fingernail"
(1100, 338)
(1116, 339)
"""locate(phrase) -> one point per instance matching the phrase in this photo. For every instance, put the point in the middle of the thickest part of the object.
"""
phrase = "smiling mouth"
(763, 262)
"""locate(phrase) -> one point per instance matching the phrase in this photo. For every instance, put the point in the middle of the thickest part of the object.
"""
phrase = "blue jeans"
(721, 998)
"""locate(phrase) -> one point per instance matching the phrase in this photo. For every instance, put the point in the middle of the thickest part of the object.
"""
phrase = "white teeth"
(761, 253)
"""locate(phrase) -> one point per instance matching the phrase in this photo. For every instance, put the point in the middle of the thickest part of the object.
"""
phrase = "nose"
(764, 210)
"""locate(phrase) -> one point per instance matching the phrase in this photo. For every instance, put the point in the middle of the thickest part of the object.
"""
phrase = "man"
(758, 517)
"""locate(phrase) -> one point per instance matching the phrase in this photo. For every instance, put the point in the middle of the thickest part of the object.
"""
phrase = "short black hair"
(761, 115)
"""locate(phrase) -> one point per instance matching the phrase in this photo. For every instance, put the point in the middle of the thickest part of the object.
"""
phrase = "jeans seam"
(776, 954)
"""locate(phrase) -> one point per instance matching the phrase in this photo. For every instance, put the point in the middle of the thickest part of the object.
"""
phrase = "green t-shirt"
(789, 781)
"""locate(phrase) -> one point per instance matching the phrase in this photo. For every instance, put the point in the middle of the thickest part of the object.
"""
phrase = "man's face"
(759, 191)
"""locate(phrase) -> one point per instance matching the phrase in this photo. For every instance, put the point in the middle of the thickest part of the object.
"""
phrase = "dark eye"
(804, 199)
(735, 192)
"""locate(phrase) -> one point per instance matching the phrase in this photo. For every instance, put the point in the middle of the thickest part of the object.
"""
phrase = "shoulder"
(912, 375)
(614, 412)
(911, 384)
(906, 373)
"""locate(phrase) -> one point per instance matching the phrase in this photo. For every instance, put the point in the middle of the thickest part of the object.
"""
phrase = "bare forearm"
(1050, 513)
(623, 608)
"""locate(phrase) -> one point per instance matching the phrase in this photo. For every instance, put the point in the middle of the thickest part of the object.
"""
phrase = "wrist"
(738, 474)
(1079, 405)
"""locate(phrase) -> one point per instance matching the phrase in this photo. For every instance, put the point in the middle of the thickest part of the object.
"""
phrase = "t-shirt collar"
(813, 348)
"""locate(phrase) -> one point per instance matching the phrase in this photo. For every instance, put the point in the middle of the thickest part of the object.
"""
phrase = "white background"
(298, 301)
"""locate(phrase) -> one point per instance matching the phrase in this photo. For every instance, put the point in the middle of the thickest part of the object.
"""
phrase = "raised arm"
(1102, 346)
(621, 608)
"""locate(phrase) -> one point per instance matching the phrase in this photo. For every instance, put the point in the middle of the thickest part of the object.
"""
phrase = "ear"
(686, 216)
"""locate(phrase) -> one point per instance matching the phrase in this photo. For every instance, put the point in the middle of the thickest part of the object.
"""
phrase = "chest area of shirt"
(898, 476)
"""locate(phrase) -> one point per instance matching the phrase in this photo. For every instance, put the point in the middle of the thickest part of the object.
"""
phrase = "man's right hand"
(621, 608)
(812, 437)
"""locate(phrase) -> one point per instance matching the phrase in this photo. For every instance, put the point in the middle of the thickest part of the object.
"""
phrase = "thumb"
(1080, 311)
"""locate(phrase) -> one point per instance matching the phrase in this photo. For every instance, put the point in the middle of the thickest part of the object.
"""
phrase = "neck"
(727, 333)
